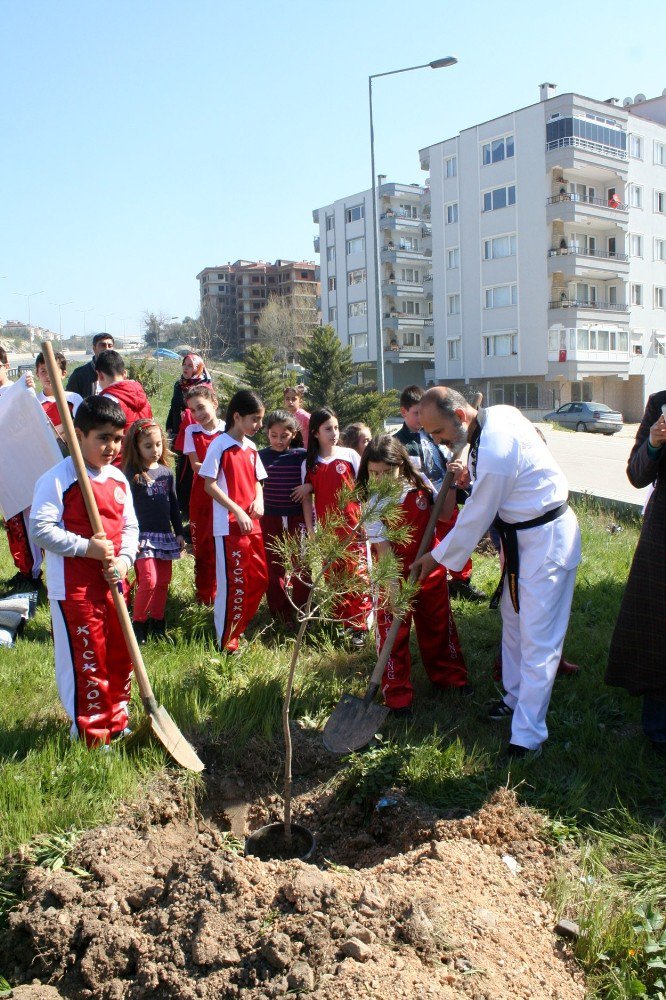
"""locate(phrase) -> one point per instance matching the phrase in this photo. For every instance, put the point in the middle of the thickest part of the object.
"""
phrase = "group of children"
(242, 502)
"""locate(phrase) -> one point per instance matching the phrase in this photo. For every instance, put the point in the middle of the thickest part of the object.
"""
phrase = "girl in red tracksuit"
(198, 437)
(327, 469)
(233, 473)
(435, 628)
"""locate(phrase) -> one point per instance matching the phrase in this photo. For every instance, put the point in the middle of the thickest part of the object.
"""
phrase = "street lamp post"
(105, 317)
(28, 296)
(60, 306)
(435, 64)
(85, 312)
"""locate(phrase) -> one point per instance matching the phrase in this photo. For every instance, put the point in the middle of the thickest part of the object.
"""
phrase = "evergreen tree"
(331, 383)
(262, 373)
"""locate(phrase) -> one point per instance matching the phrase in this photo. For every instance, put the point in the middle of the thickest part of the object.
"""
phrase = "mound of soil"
(432, 908)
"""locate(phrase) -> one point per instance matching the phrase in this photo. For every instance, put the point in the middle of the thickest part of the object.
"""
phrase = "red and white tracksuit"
(27, 556)
(327, 479)
(197, 442)
(50, 407)
(241, 571)
(274, 527)
(93, 667)
(436, 631)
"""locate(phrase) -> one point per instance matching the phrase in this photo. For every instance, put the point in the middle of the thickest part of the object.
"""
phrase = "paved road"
(596, 464)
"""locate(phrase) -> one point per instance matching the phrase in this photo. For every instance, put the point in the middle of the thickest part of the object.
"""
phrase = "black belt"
(509, 537)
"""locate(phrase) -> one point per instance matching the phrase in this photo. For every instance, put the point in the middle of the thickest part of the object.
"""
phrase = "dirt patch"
(419, 907)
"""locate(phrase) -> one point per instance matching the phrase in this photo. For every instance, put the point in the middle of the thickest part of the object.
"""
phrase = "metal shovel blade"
(170, 736)
(352, 724)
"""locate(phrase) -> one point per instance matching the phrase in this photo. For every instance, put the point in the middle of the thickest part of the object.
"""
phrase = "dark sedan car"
(592, 417)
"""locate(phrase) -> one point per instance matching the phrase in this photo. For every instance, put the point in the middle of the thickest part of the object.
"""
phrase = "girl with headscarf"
(194, 373)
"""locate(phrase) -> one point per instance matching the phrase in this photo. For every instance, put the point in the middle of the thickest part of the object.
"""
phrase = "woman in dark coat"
(637, 657)
(194, 373)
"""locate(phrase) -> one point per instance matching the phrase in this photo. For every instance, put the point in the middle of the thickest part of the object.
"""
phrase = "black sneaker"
(516, 752)
(499, 710)
(357, 638)
(140, 632)
(465, 590)
(401, 713)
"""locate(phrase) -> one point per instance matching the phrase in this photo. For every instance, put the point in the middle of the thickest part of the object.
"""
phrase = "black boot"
(158, 628)
(141, 632)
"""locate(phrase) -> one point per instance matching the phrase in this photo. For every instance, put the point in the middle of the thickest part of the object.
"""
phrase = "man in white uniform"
(517, 484)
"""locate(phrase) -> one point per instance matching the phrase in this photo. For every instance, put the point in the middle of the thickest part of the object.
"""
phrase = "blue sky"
(145, 140)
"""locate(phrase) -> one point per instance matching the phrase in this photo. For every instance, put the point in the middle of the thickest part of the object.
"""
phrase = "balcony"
(397, 287)
(399, 320)
(392, 254)
(576, 153)
(575, 364)
(571, 312)
(395, 347)
(576, 261)
(573, 208)
(398, 220)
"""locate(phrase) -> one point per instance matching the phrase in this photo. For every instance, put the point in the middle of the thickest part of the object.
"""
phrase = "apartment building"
(549, 253)
(348, 284)
(233, 295)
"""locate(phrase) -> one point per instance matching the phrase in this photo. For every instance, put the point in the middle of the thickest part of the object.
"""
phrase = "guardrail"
(618, 206)
(580, 304)
(581, 252)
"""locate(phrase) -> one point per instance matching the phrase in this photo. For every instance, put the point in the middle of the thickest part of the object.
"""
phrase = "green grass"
(599, 785)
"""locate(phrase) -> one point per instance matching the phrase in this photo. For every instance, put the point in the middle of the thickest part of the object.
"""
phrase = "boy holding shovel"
(93, 666)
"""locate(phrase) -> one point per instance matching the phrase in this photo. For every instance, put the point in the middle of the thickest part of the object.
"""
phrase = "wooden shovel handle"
(145, 688)
(387, 647)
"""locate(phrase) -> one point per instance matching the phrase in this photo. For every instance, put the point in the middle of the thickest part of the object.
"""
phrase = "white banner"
(28, 447)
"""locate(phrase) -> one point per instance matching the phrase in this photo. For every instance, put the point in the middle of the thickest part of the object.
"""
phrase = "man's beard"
(460, 440)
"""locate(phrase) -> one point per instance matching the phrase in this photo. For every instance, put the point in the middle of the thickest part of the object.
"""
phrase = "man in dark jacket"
(84, 378)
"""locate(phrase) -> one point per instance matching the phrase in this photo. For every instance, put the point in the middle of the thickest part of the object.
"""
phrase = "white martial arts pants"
(532, 644)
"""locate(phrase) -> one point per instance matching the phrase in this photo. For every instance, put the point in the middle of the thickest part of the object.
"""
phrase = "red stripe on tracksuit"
(93, 670)
(274, 527)
(26, 556)
(242, 579)
(436, 631)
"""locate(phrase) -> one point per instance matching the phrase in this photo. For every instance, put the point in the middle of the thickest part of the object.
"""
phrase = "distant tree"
(332, 382)
(283, 326)
(261, 372)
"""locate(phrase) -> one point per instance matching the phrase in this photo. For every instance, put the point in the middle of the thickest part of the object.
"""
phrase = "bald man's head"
(446, 416)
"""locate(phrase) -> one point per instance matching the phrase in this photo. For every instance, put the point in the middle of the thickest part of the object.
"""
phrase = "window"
(660, 250)
(452, 213)
(408, 211)
(409, 243)
(411, 308)
(500, 296)
(452, 305)
(453, 259)
(499, 198)
(635, 195)
(358, 340)
(357, 277)
(636, 295)
(330, 223)
(451, 166)
(580, 131)
(659, 297)
(501, 345)
(636, 147)
(499, 246)
(498, 149)
(355, 213)
(660, 202)
(330, 254)
(331, 283)
(356, 246)
(332, 314)
(453, 350)
(660, 343)
(358, 308)
(660, 153)
(410, 275)
(636, 245)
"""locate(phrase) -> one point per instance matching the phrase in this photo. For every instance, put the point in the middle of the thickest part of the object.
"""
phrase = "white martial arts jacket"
(513, 475)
